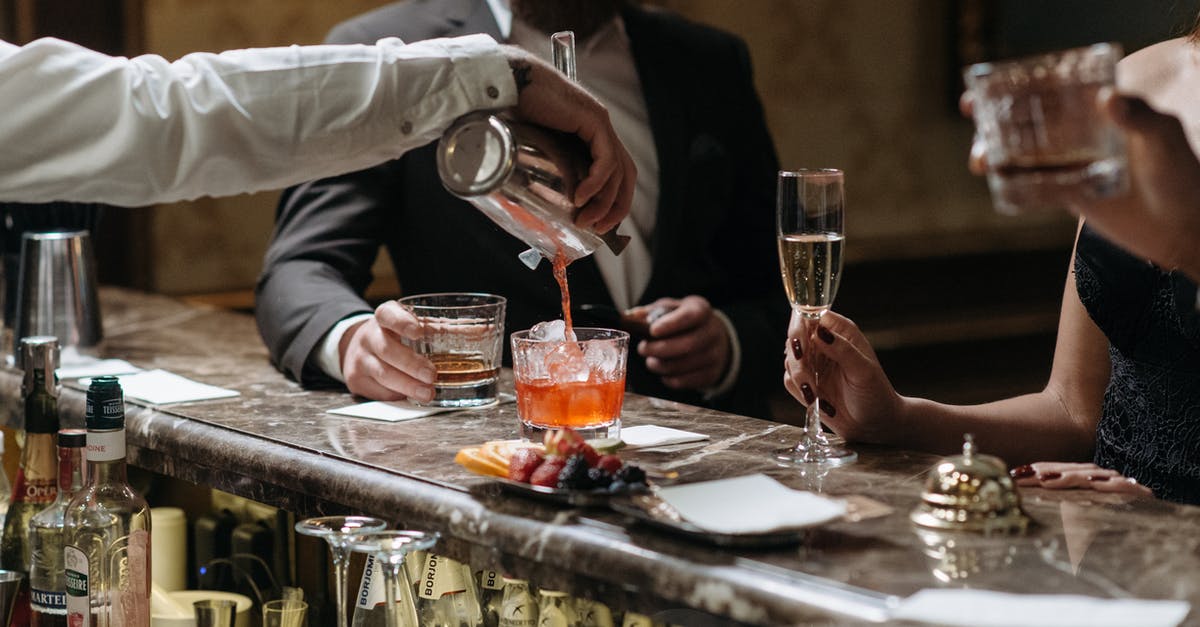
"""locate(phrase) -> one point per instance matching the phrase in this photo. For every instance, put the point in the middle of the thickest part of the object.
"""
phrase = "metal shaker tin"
(523, 177)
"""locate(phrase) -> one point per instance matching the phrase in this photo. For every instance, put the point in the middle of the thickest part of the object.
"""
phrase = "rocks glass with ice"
(1047, 141)
(463, 334)
(576, 382)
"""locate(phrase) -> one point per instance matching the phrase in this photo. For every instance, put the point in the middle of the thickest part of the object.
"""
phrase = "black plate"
(648, 509)
(578, 498)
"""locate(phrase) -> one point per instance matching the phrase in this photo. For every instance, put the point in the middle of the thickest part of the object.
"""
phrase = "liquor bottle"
(107, 548)
(47, 581)
(36, 484)
(5, 486)
(491, 597)
(518, 609)
(446, 596)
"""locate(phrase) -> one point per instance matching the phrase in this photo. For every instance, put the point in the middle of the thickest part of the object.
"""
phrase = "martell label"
(79, 606)
(47, 602)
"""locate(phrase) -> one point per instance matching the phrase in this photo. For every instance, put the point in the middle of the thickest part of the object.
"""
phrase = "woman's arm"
(1058, 422)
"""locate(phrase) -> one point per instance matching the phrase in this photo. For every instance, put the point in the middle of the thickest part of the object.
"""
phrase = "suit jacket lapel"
(652, 57)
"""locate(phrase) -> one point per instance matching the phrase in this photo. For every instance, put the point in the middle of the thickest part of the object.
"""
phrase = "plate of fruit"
(564, 468)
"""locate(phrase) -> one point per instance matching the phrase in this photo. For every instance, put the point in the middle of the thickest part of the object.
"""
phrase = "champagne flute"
(811, 234)
(337, 531)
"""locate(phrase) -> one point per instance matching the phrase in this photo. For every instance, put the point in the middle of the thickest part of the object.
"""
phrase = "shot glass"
(578, 384)
(463, 334)
(1047, 143)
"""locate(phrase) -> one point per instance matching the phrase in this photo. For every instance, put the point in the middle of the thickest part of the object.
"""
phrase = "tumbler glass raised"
(1047, 141)
(463, 334)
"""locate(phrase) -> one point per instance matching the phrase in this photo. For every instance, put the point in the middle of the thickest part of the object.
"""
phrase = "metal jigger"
(10, 585)
(215, 613)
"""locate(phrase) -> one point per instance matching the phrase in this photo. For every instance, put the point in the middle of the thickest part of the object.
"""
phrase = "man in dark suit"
(682, 99)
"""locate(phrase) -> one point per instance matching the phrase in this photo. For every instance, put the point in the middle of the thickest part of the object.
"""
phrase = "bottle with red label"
(106, 554)
(37, 476)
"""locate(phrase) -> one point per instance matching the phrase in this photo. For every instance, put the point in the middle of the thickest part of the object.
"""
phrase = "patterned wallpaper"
(855, 84)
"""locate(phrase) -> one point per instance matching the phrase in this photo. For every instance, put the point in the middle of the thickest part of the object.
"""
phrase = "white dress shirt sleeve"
(83, 126)
(328, 357)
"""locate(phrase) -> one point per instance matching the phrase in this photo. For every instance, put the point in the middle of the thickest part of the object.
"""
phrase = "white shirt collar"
(502, 11)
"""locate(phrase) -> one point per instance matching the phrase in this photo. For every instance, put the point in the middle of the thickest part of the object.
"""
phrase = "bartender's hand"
(548, 98)
(1064, 475)
(688, 345)
(857, 400)
(375, 363)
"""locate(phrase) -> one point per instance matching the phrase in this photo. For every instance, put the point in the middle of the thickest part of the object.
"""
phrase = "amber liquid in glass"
(576, 404)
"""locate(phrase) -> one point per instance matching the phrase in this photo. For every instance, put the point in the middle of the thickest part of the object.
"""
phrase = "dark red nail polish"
(797, 350)
(807, 392)
(1022, 472)
(828, 409)
(1049, 476)
(1098, 477)
(825, 334)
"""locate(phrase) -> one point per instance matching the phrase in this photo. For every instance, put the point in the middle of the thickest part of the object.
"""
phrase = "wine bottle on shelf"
(47, 579)
(36, 485)
(107, 551)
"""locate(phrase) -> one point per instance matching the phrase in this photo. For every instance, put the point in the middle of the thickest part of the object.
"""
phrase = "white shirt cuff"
(328, 358)
(735, 361)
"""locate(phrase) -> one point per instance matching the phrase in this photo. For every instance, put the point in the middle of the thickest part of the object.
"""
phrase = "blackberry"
(599, 477)
(631, 474)
(574, 474)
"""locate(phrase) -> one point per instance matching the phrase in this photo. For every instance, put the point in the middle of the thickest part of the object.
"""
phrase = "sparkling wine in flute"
(812, 268)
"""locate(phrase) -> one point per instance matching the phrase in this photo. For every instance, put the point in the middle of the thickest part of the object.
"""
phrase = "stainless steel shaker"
(524, 176)
(57, 293)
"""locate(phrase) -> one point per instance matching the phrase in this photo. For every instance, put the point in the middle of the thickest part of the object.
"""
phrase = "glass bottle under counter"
(47, 578)
(555, 609)
(518, 607)
(446, 594)
(37, 485)
(107, 552)
(491, 596)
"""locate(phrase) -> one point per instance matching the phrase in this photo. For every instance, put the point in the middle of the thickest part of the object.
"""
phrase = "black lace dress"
(1150, 423)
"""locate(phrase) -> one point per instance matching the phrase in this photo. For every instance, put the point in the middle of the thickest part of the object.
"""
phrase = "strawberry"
(562, 442)
(610, 463)
(523, 462)
(547, 473)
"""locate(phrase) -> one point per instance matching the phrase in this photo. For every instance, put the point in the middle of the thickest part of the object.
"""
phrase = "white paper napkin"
(96, 368)
(399, 411)
(654, 435)
(750, 504)
(159, 387)
(986, 608)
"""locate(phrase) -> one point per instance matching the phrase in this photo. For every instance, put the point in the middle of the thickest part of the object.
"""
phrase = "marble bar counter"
(275, 444)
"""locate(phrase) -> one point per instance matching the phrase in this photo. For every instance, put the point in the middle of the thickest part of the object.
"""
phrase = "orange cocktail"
(578, 384)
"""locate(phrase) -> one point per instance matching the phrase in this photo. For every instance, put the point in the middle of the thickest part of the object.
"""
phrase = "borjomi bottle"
(370, 608)
(446, 596)
(47, 579)
(491, 596)
(519, 608)
(36, 484)
(107, 552)
(555, 609)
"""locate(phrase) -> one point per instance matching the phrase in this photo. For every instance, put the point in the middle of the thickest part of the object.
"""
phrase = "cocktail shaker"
(524, 176)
